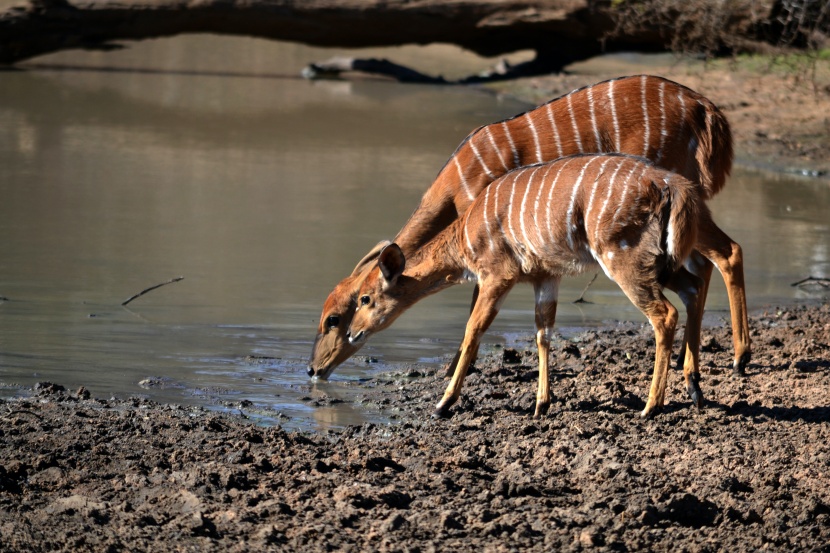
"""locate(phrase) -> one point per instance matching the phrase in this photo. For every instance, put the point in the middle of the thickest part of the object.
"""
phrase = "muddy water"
(207, 159)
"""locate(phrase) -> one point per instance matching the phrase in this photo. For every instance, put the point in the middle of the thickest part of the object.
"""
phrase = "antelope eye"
(364, 300)
(333, 321)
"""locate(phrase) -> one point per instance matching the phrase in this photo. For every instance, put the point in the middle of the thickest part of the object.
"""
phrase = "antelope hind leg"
(546, 293)
(688, 287)
(728, 256)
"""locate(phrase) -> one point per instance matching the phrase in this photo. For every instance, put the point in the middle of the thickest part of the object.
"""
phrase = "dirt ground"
(749, 472)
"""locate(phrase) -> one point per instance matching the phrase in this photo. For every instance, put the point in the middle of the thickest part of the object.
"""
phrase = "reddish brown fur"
(697, 143)
(502, 242)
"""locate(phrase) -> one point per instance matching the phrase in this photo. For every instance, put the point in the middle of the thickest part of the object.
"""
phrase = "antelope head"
(382, 296)
(332, 345)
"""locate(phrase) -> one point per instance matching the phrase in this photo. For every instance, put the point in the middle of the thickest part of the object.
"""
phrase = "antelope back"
(648, 116)
(565, 216)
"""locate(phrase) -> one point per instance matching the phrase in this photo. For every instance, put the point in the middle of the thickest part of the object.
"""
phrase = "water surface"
(207, 159)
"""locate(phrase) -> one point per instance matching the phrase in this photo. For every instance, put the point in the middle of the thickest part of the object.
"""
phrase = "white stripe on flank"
(682, 112)
(536, 206)
(593, 193)
(670, 238)
(487, 220)
(598, 221)
(555, 131)
(467, 235)
(644, 107)
(527, 240)
(663, 131)
(535, 137)
(510, 208)
(570, 227)
(594, 118)
(463, 180)
(516, 161)
(496, 148)
(614, 116)
(496, 210)
(481, 160)
(575, 126)
(550, 197)
(626, 187)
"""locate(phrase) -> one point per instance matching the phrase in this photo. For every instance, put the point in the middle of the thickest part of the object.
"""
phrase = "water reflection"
(263, 192)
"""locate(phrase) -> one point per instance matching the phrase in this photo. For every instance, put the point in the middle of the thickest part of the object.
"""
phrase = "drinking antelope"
(536, 224)
(649, 116)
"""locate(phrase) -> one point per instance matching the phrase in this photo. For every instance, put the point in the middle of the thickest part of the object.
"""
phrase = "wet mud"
(749, 471)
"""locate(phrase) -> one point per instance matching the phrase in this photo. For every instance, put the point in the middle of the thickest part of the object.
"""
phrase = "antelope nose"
(355, 338)
(310, 371)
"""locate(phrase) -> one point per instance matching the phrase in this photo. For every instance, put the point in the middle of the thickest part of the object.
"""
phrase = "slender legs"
(454, 363)
(487, 305)
(546, 292)
(688, 287)
(714, 246)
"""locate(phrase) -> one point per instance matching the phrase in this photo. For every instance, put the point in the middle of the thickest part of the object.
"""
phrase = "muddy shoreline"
(751, 471)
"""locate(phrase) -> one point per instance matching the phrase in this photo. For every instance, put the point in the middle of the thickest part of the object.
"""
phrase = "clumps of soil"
(748, 472)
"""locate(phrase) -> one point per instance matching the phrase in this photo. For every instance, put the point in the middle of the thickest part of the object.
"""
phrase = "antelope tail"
(714, 151)
(685, 209)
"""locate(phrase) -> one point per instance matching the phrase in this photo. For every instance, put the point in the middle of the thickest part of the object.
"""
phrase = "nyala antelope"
(647, 116)
(537, 224)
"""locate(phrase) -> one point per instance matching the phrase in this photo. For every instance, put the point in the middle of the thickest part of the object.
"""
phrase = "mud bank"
(751, 471)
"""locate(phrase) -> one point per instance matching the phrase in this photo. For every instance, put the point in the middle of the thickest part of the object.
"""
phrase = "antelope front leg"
(453, 365)
(484, 311)
(728, 256)
(546, 293)
(688, 287)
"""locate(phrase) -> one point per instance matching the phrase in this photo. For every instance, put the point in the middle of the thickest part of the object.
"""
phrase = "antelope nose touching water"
(669, 125)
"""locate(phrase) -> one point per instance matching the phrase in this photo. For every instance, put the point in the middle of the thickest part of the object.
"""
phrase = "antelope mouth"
(357, 337)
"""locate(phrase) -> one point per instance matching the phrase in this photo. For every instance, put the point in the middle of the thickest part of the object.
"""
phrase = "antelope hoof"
(739, 366)
(442, 411)
(649, 412)
(693, 388)
(541, 409)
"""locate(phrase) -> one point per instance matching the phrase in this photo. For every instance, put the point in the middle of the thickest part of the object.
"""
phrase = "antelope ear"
(391, 262)
(370, 257)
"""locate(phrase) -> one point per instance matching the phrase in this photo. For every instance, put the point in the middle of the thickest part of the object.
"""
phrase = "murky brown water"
(205, 158)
